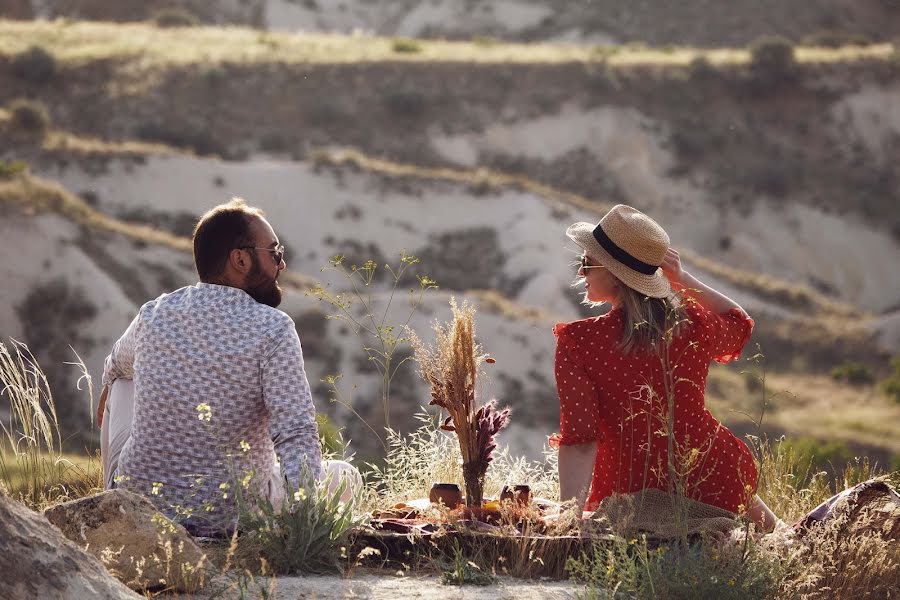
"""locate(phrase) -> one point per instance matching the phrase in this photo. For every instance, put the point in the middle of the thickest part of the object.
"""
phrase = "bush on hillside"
(35, 65)
(700, 69)
(174, 17)
(854, 373)
(891, 386)
(12, 168)
(405, 46)
(821, 455)
(29, 117)
(771, 61)
(772, 53)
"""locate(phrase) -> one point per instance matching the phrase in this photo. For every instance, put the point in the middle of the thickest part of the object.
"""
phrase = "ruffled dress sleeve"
(723, 335)
(579, 406)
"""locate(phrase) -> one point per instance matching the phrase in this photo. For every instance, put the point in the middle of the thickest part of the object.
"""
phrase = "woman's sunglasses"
(584, 265)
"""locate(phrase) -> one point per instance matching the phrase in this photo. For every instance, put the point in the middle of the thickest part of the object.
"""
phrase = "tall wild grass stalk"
(359, 309)
(32, 467)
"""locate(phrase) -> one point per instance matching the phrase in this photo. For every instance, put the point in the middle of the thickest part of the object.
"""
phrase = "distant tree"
(34, 65)
(855, 373)
(771, 61)
(29, 117)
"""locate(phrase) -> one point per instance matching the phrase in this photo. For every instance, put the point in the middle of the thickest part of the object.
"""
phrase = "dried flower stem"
(451, 368)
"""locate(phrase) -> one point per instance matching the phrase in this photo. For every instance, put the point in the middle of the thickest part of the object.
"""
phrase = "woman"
(619, 374)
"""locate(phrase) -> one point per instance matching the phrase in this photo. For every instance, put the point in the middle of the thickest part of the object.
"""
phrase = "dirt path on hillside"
(393, 587)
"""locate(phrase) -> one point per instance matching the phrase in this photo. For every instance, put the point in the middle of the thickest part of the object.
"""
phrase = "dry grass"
(68, 144)
(810, 405)
(33, 469)
(148, 46)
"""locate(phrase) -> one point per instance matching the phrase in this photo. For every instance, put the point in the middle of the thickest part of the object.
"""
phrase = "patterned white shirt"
(220, 389)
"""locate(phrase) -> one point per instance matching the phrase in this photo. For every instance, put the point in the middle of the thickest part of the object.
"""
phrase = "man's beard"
(261, 287)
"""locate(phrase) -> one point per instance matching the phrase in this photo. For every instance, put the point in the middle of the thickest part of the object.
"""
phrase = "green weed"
(361, 309)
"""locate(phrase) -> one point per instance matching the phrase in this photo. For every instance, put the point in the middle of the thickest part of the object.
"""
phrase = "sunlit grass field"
(62, 470)
(77, 42)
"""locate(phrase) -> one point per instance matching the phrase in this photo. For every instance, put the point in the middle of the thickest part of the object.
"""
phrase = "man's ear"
(239, 261)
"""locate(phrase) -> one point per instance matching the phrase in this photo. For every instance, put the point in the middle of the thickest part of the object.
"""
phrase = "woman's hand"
(671, 266)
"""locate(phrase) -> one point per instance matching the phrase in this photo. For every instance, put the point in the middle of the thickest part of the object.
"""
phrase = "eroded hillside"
(778, 187)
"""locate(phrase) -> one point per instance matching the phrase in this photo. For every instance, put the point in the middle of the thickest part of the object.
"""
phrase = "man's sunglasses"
(277, 253)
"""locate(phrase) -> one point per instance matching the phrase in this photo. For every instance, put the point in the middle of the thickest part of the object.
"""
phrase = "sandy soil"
(425, 587)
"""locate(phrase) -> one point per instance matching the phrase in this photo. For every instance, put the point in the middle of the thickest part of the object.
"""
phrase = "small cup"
(447, 493)
(520, 493)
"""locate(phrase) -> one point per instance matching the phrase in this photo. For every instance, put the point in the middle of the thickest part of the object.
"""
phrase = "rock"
(37, 561)
(136, 543)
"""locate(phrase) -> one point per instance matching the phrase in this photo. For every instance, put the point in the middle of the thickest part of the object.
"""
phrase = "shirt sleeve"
(120, 362)
(724, 335)
(579, 402)
(292, 416)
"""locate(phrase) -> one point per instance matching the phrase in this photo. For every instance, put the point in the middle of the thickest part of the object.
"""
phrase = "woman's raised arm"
(709, 298)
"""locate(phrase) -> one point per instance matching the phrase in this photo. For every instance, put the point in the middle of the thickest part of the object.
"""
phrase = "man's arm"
(292, 416)
(101, 405)
(120, 362)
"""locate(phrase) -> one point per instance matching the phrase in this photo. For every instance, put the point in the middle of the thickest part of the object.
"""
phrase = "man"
(219, 388)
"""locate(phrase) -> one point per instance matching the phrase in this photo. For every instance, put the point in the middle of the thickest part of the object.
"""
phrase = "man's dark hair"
(218, 232)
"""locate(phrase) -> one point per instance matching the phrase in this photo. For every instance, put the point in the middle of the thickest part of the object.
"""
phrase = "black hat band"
(621, 255)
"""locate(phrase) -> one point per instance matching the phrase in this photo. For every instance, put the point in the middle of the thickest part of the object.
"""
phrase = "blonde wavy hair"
(647, 323)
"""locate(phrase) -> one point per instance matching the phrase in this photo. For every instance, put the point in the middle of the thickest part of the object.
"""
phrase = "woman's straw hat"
(630, 245)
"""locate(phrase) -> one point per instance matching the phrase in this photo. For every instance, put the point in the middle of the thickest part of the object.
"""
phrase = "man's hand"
(101, 406)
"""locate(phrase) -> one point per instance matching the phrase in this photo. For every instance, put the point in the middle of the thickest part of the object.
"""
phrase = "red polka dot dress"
(620, 401)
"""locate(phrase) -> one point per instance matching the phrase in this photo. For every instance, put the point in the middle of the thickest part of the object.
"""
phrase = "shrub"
(11, 168)
(855, 373)
(29, 117)
(405, 46)
(174, 17)
(772, 53)
(771, 60)
(700, 69)
(820, 455)
(35, 65)
(307, 537)
(891, 385)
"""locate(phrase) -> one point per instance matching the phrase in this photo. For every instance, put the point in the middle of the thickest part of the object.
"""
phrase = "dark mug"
(447, 493)
(520, 493)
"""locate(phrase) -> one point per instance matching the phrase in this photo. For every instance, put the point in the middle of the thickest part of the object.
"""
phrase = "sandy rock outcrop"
(37, 561)
(135, 542)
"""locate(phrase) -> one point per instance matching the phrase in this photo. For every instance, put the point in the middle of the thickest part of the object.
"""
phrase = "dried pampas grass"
(451, 367)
